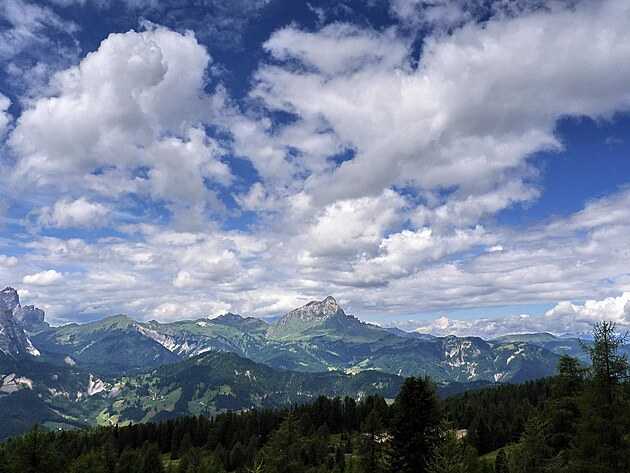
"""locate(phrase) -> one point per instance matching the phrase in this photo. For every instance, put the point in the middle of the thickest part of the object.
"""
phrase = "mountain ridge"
(318, 336)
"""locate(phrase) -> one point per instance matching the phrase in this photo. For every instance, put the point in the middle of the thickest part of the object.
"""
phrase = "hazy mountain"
(557, 345)
(404, 334)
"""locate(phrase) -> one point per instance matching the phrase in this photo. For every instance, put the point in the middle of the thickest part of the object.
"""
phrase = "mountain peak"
(9, 298)
(29, 317)
(318, 309)
(229, 316)
(303, 320)
(13, 340)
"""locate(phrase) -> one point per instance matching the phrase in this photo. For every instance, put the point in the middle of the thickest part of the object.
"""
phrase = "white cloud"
(353, 226)
(565, 317)
(126, 120)
(45, 278)
(28, 23)
(478, 104)
(5, 117)
(354, 48)
(615, 309)
(408, 271)
(79, 213)
(8, 261)
(445, 15)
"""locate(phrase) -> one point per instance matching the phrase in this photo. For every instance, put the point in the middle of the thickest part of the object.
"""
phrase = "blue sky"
(445, 165)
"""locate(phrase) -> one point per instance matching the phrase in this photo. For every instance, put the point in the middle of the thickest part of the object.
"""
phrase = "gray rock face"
(13, 341)
(9, 298)
(29, 317)
(310, 316)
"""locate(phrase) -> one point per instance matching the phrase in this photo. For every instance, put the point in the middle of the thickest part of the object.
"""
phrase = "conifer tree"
(370, 443)
(448, 454)
(602, 442)
(415, 425)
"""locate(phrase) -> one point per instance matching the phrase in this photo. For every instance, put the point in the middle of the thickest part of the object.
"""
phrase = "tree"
(415, 426)
(129, 461)
(602, 443)
(370, 445)
(281, 454)
(151, 460)
(33, 453)
(570, 377)
(448, 455)
(608, 368)
(90, 461)
(532, 453)
(563, 410)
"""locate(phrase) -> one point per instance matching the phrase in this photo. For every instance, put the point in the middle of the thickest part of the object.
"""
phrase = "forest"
(577, 421)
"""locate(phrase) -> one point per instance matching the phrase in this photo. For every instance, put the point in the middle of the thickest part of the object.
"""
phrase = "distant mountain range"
(118, 370)
(319, 336)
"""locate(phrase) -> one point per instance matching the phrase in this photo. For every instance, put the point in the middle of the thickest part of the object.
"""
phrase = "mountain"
(13, 341)
(245, 324)
(318, 336)
(113, 345)
(29, 317)
(67, 396)
(321, 318)
(214, 382)
(9, 298)
(557, 345)
(404, 334)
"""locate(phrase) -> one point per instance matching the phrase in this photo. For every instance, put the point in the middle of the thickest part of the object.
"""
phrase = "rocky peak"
(314, 309)
(229, 317)
(13, 341)
(316, 315)
(29, 317)
(9, 298)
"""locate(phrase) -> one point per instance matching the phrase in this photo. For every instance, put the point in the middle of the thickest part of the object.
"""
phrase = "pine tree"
(151, 460)
(281, 454)
(370, 444)
(532, 453)
(415, 426)
(609, 369)
(602, 443)
(448, 454)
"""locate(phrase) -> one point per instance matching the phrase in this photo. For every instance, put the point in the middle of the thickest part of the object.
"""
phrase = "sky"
(453, 166)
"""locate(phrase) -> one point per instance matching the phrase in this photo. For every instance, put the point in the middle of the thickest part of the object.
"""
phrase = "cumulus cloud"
(79, 213)
(353, 226)
(468, 116)
(127, 119)
(45, 278)
(565, 317)
(615, 309)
